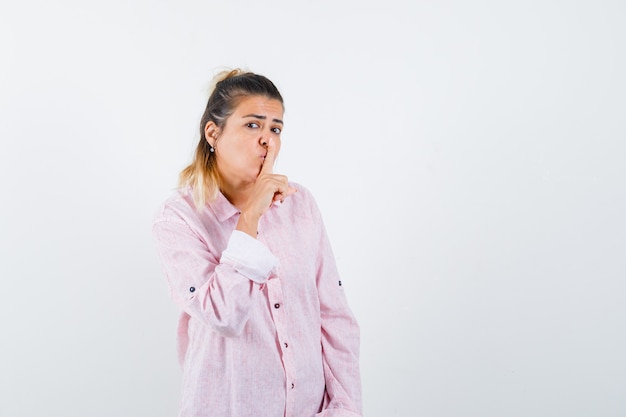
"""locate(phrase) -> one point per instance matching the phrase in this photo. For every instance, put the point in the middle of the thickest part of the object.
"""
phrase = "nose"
(264, 140)
(266, 134)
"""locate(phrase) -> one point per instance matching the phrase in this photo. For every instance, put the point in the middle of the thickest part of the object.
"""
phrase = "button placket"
(279, 316)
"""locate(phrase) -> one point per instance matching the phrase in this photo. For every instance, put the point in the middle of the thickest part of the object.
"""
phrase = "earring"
(212, 149)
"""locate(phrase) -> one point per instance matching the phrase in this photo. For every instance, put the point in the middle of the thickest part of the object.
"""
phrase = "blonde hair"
(229, 87)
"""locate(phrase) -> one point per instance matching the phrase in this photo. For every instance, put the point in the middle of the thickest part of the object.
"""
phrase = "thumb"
(270, 158)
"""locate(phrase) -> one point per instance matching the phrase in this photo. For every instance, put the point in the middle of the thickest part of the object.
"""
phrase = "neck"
(237, 194)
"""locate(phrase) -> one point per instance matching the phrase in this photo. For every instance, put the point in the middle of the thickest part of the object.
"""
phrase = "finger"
(270, 158)
(283, 187)
(282, 194)
(291, 190)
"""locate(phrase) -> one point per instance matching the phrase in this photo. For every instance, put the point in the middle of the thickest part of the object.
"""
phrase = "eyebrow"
(258, 116)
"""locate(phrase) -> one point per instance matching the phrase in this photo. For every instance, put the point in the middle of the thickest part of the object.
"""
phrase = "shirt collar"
(223, 208)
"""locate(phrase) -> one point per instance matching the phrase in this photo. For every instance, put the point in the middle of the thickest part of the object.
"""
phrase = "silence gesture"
(269, 187)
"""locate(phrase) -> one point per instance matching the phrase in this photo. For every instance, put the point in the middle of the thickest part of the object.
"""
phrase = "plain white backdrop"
(468, 158)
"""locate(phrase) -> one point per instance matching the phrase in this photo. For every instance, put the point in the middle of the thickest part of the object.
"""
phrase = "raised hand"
(268, 188)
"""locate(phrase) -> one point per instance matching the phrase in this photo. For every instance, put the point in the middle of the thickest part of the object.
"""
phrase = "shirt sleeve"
(340, 336)
(215, 288)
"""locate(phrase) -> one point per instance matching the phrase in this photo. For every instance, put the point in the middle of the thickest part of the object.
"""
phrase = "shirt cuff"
(249, 257)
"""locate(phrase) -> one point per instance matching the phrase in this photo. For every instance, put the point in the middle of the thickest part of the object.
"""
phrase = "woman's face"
(241, 145)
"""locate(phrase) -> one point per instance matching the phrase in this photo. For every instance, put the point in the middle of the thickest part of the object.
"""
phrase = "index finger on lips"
(270, 158)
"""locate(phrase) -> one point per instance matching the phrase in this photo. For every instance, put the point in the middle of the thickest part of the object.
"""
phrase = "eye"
(252, 125)
(277, 130)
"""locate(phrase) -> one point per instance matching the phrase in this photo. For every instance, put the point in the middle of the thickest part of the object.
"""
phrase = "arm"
(216, 289)
(340, 337)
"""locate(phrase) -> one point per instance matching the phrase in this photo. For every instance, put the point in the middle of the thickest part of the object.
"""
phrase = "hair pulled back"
(230, 87)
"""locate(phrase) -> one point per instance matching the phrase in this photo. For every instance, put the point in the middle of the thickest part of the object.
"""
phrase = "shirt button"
(277, 305)
(192, 289)
(292, 385)
(286, 345)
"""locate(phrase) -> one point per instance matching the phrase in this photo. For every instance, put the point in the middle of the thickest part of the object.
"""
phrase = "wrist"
(248, 223)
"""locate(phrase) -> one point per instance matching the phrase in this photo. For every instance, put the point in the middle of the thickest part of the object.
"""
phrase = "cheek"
(228, 154)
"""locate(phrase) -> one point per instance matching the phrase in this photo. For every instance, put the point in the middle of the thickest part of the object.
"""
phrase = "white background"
(468, 158)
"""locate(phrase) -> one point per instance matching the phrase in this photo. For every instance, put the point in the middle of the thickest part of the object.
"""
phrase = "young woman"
(265, 328)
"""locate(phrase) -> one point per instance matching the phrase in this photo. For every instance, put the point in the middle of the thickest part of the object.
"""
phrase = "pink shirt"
(265, 328)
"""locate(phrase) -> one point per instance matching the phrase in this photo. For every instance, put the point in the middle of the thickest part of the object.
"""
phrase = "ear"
(210, 132)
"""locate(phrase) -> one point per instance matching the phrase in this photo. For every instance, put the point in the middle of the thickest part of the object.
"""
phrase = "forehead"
(260, 105)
